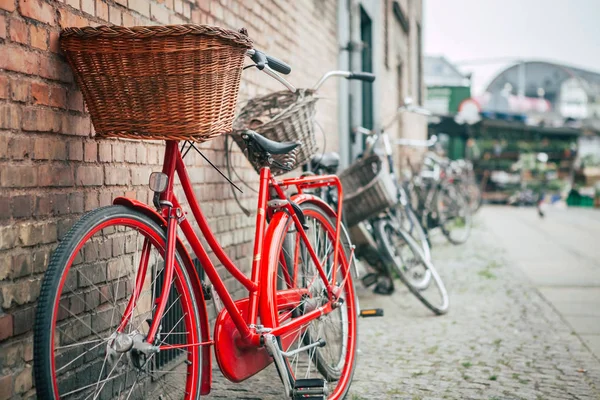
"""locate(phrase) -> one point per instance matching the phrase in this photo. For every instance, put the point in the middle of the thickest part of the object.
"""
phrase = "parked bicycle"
(438, 194)
(383, 226)
(122, 310)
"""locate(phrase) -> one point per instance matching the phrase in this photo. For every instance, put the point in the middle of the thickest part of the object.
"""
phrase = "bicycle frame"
(171, 211)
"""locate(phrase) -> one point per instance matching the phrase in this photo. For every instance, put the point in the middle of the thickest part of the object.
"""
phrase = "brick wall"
(52, 170)
(400, 77)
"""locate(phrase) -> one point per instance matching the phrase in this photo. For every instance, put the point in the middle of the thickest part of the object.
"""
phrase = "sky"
(493, 34)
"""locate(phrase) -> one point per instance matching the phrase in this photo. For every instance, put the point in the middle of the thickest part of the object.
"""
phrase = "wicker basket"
(283, 117)
(176, 82)
(369, 189)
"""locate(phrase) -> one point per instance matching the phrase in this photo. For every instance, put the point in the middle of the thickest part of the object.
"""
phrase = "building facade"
(52, 170)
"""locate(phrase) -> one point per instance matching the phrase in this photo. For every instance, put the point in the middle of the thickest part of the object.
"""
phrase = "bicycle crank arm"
(275, 351)
(373, 312)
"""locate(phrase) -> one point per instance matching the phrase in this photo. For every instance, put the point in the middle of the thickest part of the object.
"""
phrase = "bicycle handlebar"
(417, 143)
(269, 65)
(263, 60)
(361, 76)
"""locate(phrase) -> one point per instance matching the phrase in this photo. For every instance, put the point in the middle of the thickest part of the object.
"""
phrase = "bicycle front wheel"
(298, 290)
(96, 304)
(408, 260)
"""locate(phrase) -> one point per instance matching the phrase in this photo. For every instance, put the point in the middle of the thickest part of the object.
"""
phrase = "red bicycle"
(122, 310)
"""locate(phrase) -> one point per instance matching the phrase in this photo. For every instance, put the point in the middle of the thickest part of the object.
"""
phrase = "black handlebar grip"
(278, 65)
(362, 76)
(260, 59)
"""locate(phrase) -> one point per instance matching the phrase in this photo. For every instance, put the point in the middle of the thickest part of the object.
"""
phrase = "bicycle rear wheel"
(295, 272)
(454, 213)
(406, 256)
(96, 304)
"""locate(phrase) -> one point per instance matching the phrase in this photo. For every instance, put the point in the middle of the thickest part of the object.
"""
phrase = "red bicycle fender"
(309, 198)
(205, 384)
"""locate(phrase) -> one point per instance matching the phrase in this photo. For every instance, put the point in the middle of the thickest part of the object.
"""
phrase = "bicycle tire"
(107, 221)
(385, 229)
(340, 369)
(461, 209)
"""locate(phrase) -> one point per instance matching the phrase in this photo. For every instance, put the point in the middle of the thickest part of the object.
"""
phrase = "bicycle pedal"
(369, 279)
(372, 312)
(309, 389)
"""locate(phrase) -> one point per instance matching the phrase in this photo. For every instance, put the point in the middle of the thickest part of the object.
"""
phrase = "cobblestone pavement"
(500, 340)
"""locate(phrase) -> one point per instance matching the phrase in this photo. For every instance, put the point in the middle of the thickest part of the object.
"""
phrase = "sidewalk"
(500, 340)
(561, 256)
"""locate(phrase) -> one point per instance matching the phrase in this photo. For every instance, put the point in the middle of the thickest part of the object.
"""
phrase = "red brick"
(140, 6)
(104, 152)
(73, 3)
(28, 350)
(102, 10)
(54, 42)
(204, 5)
(4, 214)
(196, 16)
(58, 97)
(6, 387)
(21, 265)
(37, 10)
(90, 151)
(40, 93)
(18, 59)
(68, 19)
(41, 120)
(2, 26)
(4, 136)
(76, 150)
(36, 233)
(10, 116)
(23, 319)
(128, 20)
(91, 201)
(19, 176)
(45, 148)
(75, 100)
(89, 176)
(159, 13)
(39, 37)
(87, 6)
(116, 176)
(43, 205)
(55, 176)
(19, 89)
(76, 202)
(115, 16)
(3, 87)
(178, 6)
(19, 147)
(6, 331)
(18, 31)
(22, 208)
(41, 259)
(52, 67)
(76, 125)
(8, 5)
